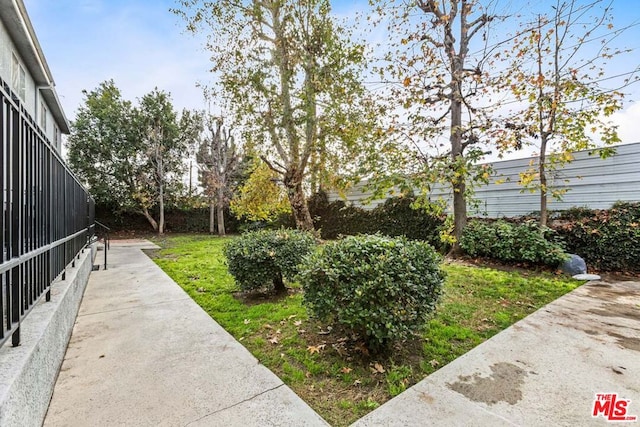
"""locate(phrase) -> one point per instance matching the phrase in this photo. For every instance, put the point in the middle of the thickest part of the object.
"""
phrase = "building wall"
(33, 97)
(591, 181)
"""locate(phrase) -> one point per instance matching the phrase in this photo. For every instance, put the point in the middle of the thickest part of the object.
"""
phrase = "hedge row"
(394, 218)
(608, 240)
(333, 219)
(509, 242)
(195, 220)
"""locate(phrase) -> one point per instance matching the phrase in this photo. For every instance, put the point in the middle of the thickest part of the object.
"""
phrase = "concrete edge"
(28, 373)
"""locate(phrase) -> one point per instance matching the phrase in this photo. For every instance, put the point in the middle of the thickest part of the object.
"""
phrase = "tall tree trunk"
(544, 135)
(301, 215)
(160, 192)
(212, 209)
(161, 220)
(543, 181)
(220, 209)
(278, 284)
(149, 218)
(458, 183)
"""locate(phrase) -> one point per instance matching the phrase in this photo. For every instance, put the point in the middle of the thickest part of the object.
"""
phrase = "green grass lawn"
(332, 373)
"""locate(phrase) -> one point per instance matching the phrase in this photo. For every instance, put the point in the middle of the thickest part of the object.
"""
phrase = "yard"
(331, 371)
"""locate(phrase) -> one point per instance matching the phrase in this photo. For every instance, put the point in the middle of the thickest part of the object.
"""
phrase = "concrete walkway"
(143, 353)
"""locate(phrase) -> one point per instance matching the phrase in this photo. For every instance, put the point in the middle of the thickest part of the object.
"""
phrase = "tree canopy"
(292, 78)
(127, 154)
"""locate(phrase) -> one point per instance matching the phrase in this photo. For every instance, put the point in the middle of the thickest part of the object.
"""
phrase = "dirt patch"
(503, 385)
(626, 342)
(613, 277)
(262, 296)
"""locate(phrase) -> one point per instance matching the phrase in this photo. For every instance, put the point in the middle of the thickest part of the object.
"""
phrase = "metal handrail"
(106, 240)
(15, 262)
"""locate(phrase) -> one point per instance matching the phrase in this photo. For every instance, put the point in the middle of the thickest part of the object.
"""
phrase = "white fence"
(589, 180)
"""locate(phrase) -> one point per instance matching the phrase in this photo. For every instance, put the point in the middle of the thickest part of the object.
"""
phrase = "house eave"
(16, 20)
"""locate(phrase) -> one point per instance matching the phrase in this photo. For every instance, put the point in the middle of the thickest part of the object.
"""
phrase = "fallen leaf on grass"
(357, 382)
(315, 348)
(376, 368)
(327, 332)
(292, 316)
(279, 331)
(247, 321)
(267, 326)
(362, 348)
(434, 363)
(339, 348)
(346, 370)
(274, 340)
(297, 323)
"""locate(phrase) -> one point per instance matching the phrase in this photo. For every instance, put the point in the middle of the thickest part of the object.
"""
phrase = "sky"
(141, 45)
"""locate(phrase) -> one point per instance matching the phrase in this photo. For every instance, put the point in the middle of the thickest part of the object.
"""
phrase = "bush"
(266, 257)
(608, 240)
(379, 288)
(508, 242)
(188, 220)
(393, 218)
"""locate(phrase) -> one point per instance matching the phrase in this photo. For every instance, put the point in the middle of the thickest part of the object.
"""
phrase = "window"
(43, 116)
(56, 137)
(18, 77)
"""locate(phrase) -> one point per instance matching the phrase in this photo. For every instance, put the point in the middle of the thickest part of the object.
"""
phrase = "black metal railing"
(47, 215)
(104, 232)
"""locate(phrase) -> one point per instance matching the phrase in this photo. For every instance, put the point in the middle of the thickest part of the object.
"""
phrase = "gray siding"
(591, 181)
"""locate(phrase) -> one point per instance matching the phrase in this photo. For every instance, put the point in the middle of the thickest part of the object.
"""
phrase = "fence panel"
(589, 181)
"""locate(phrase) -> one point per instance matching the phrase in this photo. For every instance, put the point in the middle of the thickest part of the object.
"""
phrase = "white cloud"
(628, 121)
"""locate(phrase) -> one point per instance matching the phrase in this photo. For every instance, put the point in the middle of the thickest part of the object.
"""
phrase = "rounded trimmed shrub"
(265, 257)
(509, 242)
(380, 288)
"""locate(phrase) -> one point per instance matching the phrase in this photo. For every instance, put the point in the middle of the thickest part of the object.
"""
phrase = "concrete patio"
(143, 353)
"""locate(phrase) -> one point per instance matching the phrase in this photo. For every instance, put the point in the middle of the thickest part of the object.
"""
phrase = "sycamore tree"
(442, 85)
(558, 75)
(219, 165)
(292, 78)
